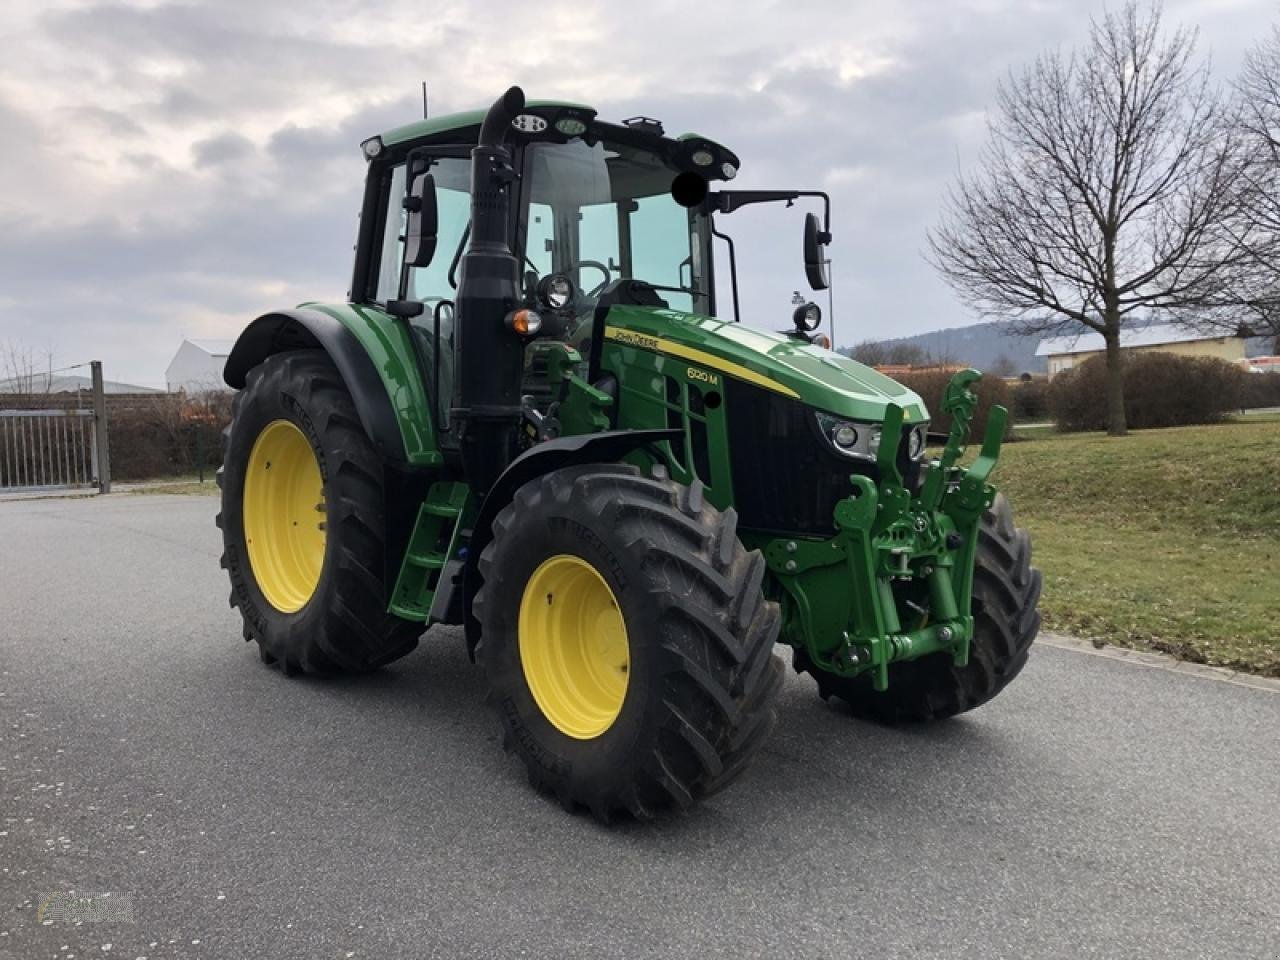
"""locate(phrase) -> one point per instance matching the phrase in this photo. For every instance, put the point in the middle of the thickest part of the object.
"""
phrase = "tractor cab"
(598, 212)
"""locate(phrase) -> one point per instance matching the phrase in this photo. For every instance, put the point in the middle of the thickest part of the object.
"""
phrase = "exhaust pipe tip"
(497, 122)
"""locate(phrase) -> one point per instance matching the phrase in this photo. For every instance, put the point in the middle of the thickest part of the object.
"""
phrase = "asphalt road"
(1096, 809)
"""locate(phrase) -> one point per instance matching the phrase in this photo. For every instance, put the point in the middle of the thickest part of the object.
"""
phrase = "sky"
(172, 170)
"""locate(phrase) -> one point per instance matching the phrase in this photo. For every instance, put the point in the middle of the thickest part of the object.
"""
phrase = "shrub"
(1030, 401)
(931, 385)
(166, 435)
(1160, 390)
(1260, 390)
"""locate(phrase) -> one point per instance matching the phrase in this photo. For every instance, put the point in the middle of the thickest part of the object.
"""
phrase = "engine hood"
(820, 378)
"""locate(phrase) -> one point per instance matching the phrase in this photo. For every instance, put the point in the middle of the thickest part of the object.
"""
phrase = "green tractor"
(528, 421)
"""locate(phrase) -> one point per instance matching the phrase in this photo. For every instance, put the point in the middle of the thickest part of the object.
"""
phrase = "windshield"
(603, 212)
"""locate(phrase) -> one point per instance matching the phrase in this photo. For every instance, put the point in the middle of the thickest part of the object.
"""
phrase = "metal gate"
(48, 450)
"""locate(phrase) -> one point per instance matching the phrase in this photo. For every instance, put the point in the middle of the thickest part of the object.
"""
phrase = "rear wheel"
(302, 522)
(625, 640)
(1006, 591)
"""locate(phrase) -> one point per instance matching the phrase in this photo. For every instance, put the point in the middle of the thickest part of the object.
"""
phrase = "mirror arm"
(733, 266)
(727, 201)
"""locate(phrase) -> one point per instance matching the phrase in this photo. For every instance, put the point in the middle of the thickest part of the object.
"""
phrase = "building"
(197, 366)
(41, 384)
(1262, 364)
(1063, 353)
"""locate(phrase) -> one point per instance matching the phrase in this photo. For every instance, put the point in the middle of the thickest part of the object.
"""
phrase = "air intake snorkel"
(488, 356)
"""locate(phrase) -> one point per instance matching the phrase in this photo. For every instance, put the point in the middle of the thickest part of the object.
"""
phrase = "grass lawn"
(1165, 539)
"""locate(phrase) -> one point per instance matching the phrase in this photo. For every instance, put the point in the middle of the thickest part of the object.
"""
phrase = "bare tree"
(878, 353)
(24, 369)
(1249, 304)
(873, 353)
(1105, 174)
(1003, 366)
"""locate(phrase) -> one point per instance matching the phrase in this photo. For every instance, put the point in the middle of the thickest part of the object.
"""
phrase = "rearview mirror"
(815, 266)
(423, 224)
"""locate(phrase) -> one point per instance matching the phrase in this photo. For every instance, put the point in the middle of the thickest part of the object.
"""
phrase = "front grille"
(786, 478)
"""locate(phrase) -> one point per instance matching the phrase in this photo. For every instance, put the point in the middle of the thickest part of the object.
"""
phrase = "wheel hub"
(573, 646)
(283, 516)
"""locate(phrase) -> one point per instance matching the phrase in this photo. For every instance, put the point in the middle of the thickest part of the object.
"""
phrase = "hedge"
(932, 384)
(1160, 390)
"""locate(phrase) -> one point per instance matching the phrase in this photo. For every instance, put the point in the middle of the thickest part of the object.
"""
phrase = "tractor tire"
(652, 682)
(312, 587)
(1006, 591)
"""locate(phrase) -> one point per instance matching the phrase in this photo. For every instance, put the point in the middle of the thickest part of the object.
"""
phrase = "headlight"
(555, 290)
(857, 440)
(807, 316)
(916, 441)
(861, 441)
(703, 158)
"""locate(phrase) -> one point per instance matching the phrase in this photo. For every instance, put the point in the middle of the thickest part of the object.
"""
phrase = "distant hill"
(981, 344)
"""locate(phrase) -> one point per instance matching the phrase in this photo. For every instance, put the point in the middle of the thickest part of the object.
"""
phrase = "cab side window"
(429, 284)
(392, 239)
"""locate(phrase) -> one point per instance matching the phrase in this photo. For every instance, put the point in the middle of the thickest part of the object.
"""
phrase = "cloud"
(172, 169)
(222, 150)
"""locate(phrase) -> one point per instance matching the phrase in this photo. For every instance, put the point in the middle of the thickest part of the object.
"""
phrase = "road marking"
(1161, 661)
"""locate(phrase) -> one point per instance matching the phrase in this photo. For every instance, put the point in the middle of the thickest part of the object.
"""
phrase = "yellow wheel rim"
(284, 516)
(573, 646)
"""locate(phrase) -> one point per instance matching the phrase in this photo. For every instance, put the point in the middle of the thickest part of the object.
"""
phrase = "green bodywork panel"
(389, 344)
(817, 377)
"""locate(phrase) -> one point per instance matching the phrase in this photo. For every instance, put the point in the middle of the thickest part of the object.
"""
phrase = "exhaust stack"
(488, 357)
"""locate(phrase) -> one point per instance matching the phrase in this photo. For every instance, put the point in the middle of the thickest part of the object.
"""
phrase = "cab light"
(571, 126)
(529, 123)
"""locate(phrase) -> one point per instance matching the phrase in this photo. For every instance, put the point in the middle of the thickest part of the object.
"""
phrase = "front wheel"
(625, 640)
(1006, 591)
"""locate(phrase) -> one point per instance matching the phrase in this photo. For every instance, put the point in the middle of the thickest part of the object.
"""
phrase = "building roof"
(1092, 342)
(215, 348)
(61, 383)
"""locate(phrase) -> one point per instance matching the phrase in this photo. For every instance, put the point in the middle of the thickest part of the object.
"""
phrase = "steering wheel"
(594, 265)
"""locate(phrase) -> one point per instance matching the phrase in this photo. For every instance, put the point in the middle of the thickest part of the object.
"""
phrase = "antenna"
(424, 99)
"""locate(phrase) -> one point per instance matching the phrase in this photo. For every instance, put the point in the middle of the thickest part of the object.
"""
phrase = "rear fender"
(375, 356)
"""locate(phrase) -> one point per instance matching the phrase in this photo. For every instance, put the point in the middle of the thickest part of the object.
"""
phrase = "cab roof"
(450, 122)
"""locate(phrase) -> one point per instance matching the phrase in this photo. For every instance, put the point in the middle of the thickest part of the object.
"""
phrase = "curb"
(1160, 661)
